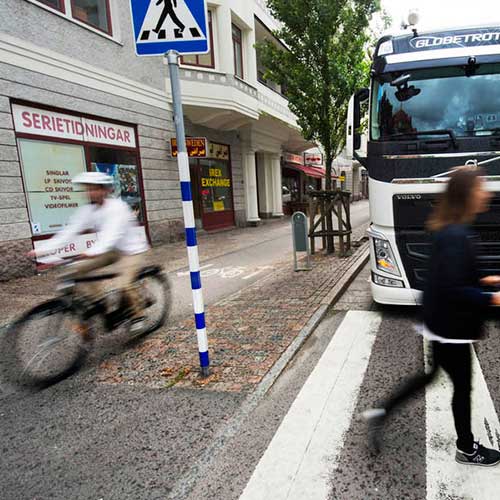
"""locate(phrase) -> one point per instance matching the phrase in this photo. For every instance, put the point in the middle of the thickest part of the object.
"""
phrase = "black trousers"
(456, 361)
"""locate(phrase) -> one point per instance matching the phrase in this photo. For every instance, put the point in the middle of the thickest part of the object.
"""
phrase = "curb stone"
(184, 486)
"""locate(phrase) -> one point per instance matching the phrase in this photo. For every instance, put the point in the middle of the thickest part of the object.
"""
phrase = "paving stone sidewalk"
(247, 332)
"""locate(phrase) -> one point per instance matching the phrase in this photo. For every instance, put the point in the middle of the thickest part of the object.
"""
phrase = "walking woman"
(453, 306)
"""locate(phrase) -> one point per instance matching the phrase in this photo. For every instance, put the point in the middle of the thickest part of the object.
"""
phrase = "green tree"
(325, 64)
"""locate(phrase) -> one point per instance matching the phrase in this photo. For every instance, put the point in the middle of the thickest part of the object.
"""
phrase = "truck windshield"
(442, 99)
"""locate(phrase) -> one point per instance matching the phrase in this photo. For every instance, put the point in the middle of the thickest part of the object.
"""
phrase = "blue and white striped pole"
(187, 207)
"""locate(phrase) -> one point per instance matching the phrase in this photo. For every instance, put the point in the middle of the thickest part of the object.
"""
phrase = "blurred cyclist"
(118, 242)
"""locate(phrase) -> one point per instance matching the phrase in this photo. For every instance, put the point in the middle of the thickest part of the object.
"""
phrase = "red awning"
(317, 172)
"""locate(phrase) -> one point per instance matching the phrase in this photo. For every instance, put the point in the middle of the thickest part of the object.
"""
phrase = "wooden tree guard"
(333, 204)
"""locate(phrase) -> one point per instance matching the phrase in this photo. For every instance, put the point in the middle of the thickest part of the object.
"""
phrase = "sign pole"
(187, 207)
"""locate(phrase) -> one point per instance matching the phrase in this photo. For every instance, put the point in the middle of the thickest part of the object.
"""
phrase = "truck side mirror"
(353, 142)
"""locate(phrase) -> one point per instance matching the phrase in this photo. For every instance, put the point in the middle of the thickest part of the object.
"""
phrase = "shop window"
(202, 60)
(238, 51)
(216, 186)
(93, 12)
(48, 168)
(122, 166)
(55, 4)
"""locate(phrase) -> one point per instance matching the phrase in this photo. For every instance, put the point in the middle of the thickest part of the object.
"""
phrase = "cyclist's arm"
(77, 223)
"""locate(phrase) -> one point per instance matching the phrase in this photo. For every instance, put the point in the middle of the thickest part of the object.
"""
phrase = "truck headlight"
(384, 257)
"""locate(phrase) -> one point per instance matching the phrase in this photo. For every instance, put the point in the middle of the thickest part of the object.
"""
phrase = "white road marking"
(186, 273)
(232, 272)
(229, 272)
(447, 479)
(302, 455)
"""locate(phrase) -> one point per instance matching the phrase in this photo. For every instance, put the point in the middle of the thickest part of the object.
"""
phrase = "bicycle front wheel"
(48, 343)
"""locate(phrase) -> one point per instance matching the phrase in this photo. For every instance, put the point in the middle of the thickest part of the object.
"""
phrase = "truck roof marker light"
(385, 48)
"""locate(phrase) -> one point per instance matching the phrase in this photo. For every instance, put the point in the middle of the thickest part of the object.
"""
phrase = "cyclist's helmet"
(93, 178)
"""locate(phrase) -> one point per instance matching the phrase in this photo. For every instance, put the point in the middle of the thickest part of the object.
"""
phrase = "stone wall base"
(168, 231)
(14, 263)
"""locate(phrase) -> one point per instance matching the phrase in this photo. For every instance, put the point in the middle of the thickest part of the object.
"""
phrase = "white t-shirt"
(114, 222)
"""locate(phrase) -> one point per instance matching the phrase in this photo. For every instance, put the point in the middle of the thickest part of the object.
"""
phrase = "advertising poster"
(48, 169)
(126, 185)
(50, 213)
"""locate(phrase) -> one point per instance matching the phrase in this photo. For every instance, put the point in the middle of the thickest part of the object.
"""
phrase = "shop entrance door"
(216, 194)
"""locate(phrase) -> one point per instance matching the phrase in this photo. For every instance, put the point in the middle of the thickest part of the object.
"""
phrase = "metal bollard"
(300, 236)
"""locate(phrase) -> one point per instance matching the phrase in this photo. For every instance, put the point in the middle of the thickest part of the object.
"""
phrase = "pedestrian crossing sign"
(163, 25)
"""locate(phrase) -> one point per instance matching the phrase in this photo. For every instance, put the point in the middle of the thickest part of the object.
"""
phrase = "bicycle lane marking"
(445, 477)
(229, 272)
(301, 457)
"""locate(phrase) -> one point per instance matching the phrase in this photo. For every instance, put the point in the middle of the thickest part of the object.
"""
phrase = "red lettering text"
(90, 130)
(103, 131)
(26, 119)
(78, 128)
(36, 120)
(67, 122)
(46, 122)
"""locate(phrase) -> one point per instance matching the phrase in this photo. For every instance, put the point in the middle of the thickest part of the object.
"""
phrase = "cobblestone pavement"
(358, 297)
(247, 332)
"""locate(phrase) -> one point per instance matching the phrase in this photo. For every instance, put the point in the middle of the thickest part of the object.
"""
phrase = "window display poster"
(126, 184)
(48, 169)
(216, 186)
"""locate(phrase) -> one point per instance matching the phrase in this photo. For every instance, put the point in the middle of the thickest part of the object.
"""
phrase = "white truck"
(434, 104)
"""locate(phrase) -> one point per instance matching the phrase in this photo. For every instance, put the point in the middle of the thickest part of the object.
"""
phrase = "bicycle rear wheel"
(48, 344)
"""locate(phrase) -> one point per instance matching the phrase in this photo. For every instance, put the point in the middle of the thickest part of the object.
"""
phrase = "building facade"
(74, 97)
(228, 101)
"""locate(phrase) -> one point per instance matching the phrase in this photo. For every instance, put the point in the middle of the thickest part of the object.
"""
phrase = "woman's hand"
(490, 281)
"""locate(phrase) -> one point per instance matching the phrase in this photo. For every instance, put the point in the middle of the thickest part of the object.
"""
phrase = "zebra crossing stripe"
(301, 456)
(447, 479)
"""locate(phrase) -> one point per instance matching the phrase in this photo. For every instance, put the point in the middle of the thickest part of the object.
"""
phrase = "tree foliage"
(324, 64)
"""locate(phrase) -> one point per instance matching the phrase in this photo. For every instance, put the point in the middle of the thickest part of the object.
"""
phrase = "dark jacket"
(454, 304)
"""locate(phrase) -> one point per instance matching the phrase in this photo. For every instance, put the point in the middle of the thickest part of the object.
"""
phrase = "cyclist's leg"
(128, 268)
(93, 290)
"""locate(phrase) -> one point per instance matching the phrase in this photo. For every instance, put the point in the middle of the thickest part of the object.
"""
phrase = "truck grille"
(414, 242)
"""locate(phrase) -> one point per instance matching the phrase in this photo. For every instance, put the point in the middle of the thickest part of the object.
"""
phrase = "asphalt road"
(417, 461)
(234, 271)
(85, 440)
